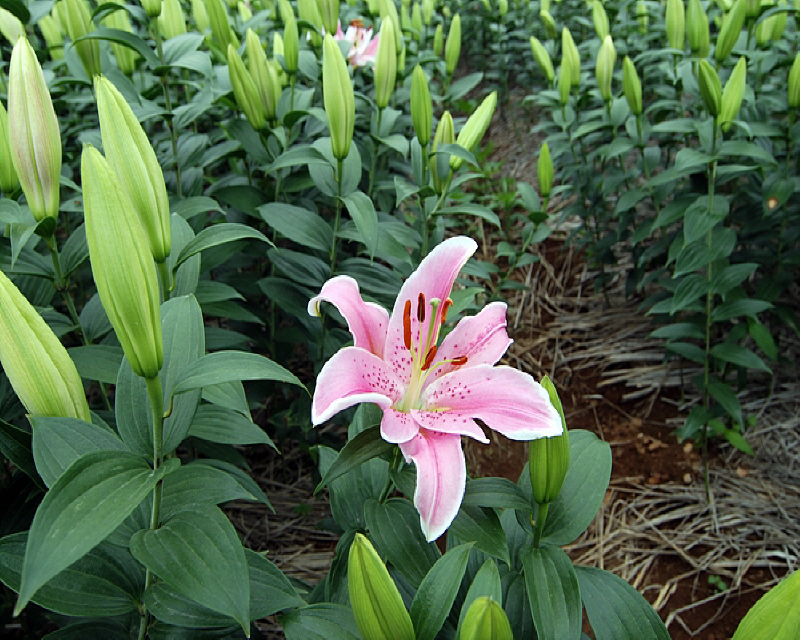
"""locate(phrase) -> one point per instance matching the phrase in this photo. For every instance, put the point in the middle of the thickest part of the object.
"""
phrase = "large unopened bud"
(779, 22)
(416, 21)
(427, 11)
(36, 363)
(263, 74)
(438, 40)
(78, 21)
(730, 30)
(485, 620)
(732, 94)
(172, 22)
(600, 20)
(440, 166)
(549, 457)
(544, 170)
(329, 13)
(386, 65)
(152, 8)
(421, 106)
(377, 605)
(34, 135)
(542, 58)
(794, 83)
(8, 176)
(676, 24)
(570, 51)
(10, 26)
(245, 91)
(764, 30)
(131, 156)
(697, 29)
(642, 16)
(710, 87)
(122, 265)
(752, 8)
(452, 49)
(632, 86)
(126, 57)
(604, 67)
(221, 34)
(53, 35)
(474, 128)
(291, 43)
(548, 22)
(200, 15)
(337, 93)
(308, 11)
(564, 80)
(502, 7)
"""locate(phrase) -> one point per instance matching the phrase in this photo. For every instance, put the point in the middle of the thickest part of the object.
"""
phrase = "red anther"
(407, 325)
(357, 23)
(429, 358)
(445, 306)
(421, 308)
(457, 362)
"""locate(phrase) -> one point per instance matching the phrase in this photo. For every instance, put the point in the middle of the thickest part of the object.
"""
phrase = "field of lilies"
(230, 223)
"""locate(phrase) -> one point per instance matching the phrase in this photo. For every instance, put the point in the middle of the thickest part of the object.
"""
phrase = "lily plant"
(430, 393)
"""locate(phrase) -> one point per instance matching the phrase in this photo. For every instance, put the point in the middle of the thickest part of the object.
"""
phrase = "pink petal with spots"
(433, 278)
(367, 321)
(507, 400)
(352, 376)
(398, 426)
(450, 422)
(441, 478)
(482, 339)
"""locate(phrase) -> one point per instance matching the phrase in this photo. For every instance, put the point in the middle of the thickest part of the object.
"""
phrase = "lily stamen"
(421, 308)
(429, 358)
(407, 325)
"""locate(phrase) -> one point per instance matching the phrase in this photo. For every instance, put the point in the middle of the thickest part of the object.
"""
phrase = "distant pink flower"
(430, 395)
(363, 47)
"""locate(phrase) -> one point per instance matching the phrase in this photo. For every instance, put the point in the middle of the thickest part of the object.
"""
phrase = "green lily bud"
(377, 606)
(642, 16)
(200, 15)
(779, 22)
(405, 19)
(78, 19)
(291, 44)
(502, 7)
(285, 10)
(474, 128)
(416, 21)
(329, 13)
(337, 93)
(172, 22)
(452, 49)
(569, 50)
(130, 154)
(389, 9)
(548, 22)
(126, 57)
(732, 94)
(221, 34)
(730, 30)
(752, 8)
(421, 106)
(231, 4)
(263, 74)
(8, 175)
(600, 20)
(245, 91)
(676, 24)
(604, 67)
(427, 12)
(386, 65)
(764, 31)
(542, 58)
(485, 620)
(122, 265)
(549, 457)
(34, 134)
(564, 80)
(36, 363)
(53, 35)
(277, 50)
(794, 83)
(308, 11)
(10, 26)
(632, 86)
(544, 169)
(446, 13)
(401, 61)
(245, 12)
(444, 135)
(697, 29)
(438, 40)
(710, 87)
(152, 8)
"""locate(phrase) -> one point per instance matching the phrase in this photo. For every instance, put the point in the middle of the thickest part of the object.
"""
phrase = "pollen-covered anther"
(445, 306)
(459, 361)
(407, 325)
(429, 358)
(421, 308)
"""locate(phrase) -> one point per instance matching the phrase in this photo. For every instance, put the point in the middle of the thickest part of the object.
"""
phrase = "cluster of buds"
(421, 106)
(542, 58)
(474, 128)
(337, 93)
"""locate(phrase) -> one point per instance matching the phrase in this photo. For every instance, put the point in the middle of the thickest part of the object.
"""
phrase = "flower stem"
(541, 518)
(339, 168)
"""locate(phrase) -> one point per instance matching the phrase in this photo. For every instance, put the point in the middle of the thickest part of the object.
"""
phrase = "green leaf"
(499, 493)
(749, 150)
(700, 253)
(680, 331)
(185, 279)
(216, 235)
(226, 426)
(738, 355)
(584, 487)
(362, 211)
(437, 592)
(74, 251)
(699, 218)
(366, 445)
(297, 155)
(485, 584)
(91, 630)
(124, 38)
(472, 210)
(230, 366)
(763, 338)
(198, 553)
(615, 609)
(16, 445)
(299, 225)
(687, 350)
(87, 502)
(463, 86)
(732, 276)
(481, 526)
(99, 362)
(106, 581)
(193, 206)
(737, 308)
(726, 397)
(689, 291)
(553, 592)
(320, 622)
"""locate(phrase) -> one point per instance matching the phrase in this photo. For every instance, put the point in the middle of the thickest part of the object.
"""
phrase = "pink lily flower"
(430, 395)
(363, 47)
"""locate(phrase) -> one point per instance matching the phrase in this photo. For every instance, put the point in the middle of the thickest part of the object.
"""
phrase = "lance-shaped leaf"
(553, 592)
(230, 366)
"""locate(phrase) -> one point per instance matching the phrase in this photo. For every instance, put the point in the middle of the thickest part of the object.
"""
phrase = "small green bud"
(291, 43)
(34, 134)
(8, 175)
(676, 24)
(604, 67)
(697, 31)
(427, 11)
(642, 16)
(548, 22)
(405, 19)
(600, 20)
(794, 83)
(632, 86)
(152, 8)
(440, 165)
(545, 171)
(569, 50)
(263, 74)
(172, 22)
(53, 35)
(78, 19)
(732, 94)
(245, 12)
(474, 128)
(564, 80)
(416, 21)
(502, 7)
(37, 364)
(122, 265)
(710, 87)
(730, 30)
(200, 15)
(337, 92)
(421, 106)
(485, 620)
(245, 90)
(386, 65)
(377, 606)
(438, 40)
(452, 48)
(329, 13)
(542, 58)
(277, 50)
(549, 457)
(10, 26)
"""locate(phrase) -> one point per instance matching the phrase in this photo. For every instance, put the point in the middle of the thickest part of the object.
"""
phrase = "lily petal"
(433, 278)
(507, 400)
(456, 423)
(367, 321)
(441, 478)
(352, 376)
(397, 426)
